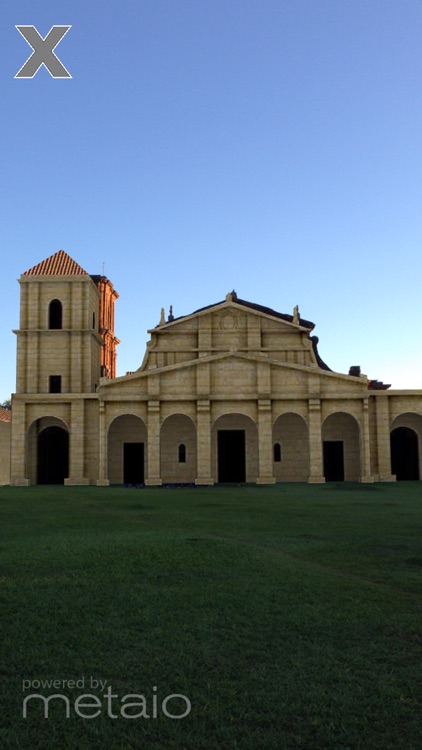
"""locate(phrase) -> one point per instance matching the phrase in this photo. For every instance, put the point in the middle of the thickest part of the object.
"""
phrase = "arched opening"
(127, 450)
(406, 442)
(341, 448)
(52, 455)
(404, 454)
(55, 314)
(235, 449)
(178, 450)
(291, 458)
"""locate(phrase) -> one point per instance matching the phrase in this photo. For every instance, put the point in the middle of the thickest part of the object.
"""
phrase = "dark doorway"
(231, 456)
(404, 454)
(53, 456)
(133, 463)
(333, 461)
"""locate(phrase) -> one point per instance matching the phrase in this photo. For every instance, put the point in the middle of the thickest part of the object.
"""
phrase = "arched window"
(404, 453)
(182, 453)
(277, 453)
(55, 314)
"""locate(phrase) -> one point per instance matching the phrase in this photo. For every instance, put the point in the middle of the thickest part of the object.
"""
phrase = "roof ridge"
(252, 306)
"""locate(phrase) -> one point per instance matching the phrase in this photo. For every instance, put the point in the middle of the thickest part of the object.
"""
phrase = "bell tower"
(65, 342)
(108, 296)
(58, 341)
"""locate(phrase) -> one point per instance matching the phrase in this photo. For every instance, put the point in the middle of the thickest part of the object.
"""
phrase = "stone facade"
(5, 424)
(234, 392)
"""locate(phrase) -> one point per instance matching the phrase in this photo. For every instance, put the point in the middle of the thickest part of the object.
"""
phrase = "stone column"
(18, 469)
(77, 444)
(21, 356)
(203, 442)
(316, 472)
(383, 439)
(102, 480)
(22, 341)
(154, 477)
(33, 382)
(265, 443)
(75, 366)
(365, 451)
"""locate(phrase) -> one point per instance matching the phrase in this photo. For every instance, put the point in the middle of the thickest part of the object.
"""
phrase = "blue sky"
(271, 146)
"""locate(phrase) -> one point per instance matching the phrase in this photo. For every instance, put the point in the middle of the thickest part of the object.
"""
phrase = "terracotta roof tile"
(5, 415)
(59, 264)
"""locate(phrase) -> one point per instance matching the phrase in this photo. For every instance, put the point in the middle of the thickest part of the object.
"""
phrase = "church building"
(233, 392)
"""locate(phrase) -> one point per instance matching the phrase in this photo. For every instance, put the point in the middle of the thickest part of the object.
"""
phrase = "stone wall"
(4, 453)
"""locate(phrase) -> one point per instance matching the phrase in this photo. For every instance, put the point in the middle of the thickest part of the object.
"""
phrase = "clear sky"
(270, 146)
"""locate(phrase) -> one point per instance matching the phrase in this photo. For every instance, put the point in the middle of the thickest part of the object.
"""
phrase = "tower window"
(93, 320)
(55, 314)
(55, 383)
(182, 453)
(277, 453)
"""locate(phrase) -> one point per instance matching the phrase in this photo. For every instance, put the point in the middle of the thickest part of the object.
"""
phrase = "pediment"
(231, 313)
(232, 357)
(228, 326)
(232, 375)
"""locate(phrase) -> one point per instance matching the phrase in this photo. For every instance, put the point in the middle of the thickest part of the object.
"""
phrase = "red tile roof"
(59, 264)
(5, 415)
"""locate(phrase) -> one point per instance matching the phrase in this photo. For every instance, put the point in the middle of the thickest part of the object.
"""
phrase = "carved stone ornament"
(228, 321)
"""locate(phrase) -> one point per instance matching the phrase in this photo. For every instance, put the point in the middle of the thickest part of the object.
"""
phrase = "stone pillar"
(204, 336)
(77, 444)
(265, 443)
(316, 472)
(154, 477)
(203, 440)
(22, 341)
(365, 451)
(102, 480)
(33, 383)
(21, 355)
(383, 439)
(75, 365)
(18, 470)
(254, 334)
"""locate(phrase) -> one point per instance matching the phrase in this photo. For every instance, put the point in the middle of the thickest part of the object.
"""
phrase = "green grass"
(290, 616)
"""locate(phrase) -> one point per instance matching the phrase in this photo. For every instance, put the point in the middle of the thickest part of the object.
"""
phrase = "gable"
(233, 376)
(231, 326)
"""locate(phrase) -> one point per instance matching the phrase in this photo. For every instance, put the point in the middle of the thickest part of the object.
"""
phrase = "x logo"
(43, 52)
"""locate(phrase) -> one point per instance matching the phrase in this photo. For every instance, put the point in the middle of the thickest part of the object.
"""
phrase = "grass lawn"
(289, 617)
